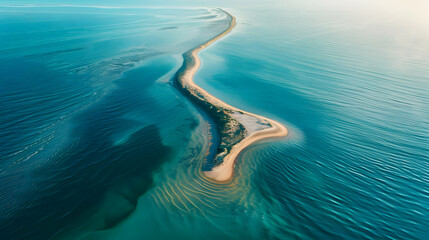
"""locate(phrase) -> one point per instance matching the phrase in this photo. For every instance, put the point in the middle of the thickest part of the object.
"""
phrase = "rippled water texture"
(97, 144)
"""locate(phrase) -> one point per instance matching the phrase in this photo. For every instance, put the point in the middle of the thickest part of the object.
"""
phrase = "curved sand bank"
(236, 133)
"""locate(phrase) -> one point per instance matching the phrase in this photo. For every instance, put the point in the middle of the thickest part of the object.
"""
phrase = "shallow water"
(351, 84)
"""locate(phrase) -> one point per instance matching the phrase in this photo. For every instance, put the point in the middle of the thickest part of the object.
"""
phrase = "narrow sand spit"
(257, 127)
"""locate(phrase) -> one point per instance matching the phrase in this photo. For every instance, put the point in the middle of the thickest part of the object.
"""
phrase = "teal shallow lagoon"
(352, 88)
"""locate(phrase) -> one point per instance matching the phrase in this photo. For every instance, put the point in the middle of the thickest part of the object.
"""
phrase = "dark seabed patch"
(80, 179)
(95, 181)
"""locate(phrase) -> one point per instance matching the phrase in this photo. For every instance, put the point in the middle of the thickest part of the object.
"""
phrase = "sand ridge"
(225, 171)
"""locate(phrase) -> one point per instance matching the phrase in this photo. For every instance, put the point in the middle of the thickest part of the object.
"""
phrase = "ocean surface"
(96, 143)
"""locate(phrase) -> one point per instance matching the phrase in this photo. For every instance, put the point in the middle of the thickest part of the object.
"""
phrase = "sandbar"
(238, 128)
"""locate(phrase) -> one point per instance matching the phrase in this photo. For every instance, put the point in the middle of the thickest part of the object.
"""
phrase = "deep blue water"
(97, 144)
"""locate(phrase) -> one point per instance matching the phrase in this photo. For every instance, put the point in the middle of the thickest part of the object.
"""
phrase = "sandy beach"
(225, 171)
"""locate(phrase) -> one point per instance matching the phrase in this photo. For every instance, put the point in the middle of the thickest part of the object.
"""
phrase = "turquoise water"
(97, 143)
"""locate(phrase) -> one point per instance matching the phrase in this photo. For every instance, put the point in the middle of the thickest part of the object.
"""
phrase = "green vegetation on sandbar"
(230, 130)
